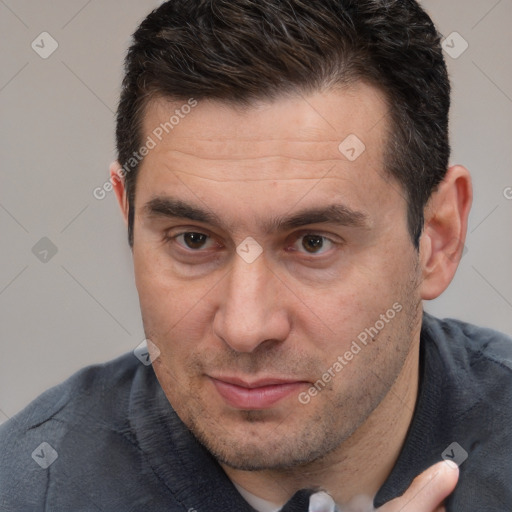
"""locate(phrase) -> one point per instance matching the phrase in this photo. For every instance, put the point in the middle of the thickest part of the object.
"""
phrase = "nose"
(252, 308)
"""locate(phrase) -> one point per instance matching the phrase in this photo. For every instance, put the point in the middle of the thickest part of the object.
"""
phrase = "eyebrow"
(337, 214)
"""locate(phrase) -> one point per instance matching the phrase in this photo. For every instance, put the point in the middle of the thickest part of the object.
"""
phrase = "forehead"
(292, 137)
(272, 159)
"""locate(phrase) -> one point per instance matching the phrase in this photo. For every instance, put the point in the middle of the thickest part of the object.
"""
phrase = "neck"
(359, 466)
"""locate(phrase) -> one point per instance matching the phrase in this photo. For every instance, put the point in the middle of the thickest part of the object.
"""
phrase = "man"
(283, 173)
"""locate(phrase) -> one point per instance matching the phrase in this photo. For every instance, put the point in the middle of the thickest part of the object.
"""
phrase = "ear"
(117, 180)
(444, 233)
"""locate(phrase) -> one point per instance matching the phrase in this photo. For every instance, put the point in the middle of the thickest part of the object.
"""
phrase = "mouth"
(254, 395)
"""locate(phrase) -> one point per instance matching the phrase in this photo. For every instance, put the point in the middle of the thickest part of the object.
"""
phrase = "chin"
(257, 444)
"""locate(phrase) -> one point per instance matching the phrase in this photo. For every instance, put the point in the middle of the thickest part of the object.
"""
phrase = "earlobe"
(117, 180)
(444, 234)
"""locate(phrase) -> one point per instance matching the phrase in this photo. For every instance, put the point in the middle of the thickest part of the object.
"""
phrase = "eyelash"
(174, 238)
(168, 238)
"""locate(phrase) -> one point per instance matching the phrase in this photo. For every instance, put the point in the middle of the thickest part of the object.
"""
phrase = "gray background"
(57, 139)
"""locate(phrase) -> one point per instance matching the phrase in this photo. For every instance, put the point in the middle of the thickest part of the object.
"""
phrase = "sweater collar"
(195, 479)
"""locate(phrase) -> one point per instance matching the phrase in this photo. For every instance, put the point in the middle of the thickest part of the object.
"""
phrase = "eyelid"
(293, 238)
(182, 230)
(324, 252)
(335, 239)
(171, 237)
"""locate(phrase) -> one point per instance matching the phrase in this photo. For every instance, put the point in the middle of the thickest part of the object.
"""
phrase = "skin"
(297, 307)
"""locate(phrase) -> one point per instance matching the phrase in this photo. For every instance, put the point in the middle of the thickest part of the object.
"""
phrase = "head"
(293, 205)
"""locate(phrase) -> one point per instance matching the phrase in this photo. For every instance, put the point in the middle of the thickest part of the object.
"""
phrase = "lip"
(254, 395)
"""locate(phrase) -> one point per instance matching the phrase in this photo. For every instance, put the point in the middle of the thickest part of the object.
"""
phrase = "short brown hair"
(237, 51)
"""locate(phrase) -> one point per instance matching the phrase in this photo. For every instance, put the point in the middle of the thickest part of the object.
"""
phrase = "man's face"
(247, 326)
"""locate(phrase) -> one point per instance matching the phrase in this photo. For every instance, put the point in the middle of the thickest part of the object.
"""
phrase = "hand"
(427, 491)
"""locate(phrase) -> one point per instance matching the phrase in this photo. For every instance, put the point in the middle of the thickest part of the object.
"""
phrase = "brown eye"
(313, 243)
(193, 240)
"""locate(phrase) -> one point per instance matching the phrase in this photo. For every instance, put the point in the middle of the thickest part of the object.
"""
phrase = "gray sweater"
(108, 440)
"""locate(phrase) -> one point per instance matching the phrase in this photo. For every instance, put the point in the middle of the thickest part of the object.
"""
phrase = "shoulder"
(469, 346)
(29, 441)
(474, 377)
(85, 386)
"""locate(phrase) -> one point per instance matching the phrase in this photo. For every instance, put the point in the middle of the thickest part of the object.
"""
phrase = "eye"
(313, 244)
(194, 241)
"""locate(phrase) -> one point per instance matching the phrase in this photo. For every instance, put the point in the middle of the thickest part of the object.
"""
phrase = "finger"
(427, 491)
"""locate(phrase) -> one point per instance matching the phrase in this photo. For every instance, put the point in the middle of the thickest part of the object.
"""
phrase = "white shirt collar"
(256, 502)
(319, 502)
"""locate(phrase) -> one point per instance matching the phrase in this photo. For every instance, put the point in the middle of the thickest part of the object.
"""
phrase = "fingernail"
(451, 464)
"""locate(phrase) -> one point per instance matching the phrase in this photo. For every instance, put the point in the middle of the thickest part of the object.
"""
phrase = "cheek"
(352, 301)
(368, 301)
(173, 311)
